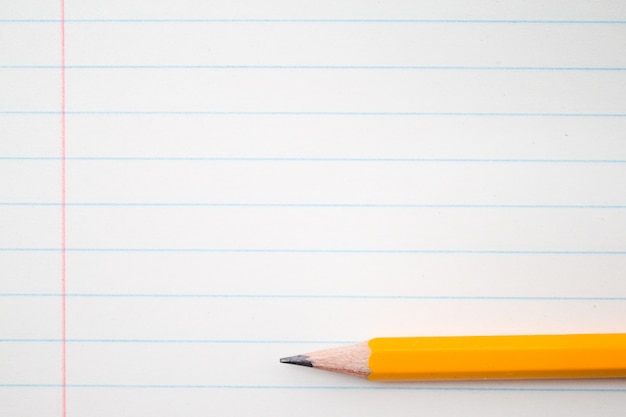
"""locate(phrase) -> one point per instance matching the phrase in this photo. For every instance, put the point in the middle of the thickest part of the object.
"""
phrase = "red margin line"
(63, 223)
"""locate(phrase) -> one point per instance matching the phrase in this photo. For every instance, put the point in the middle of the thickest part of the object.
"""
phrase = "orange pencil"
(476, 357)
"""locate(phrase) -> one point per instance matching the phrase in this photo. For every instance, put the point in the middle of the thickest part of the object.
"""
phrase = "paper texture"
(190, 190)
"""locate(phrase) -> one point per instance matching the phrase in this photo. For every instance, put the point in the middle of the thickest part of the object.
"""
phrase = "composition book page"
(191, 190)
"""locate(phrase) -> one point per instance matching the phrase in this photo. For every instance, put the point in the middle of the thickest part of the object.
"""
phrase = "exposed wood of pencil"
(351, 359)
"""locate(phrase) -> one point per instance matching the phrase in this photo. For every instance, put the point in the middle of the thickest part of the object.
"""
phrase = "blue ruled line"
(318, 296)
(313, 159)
(331, 21)
(316, 67)
(183, 341)
(309, 113)
(323, 205)
(372, 387)
(321, 251)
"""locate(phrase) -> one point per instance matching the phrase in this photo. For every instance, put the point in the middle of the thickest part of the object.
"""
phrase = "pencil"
(475, 357)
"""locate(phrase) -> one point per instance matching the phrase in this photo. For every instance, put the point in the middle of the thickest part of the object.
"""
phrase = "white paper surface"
(250, 180)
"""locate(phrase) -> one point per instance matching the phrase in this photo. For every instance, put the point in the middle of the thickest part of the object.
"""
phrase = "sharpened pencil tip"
(297, 360)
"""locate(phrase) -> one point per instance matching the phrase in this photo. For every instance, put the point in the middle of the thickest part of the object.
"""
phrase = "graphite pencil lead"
(297, 360)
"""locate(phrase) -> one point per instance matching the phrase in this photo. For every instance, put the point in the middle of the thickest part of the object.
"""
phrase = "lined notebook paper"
(191, 190)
